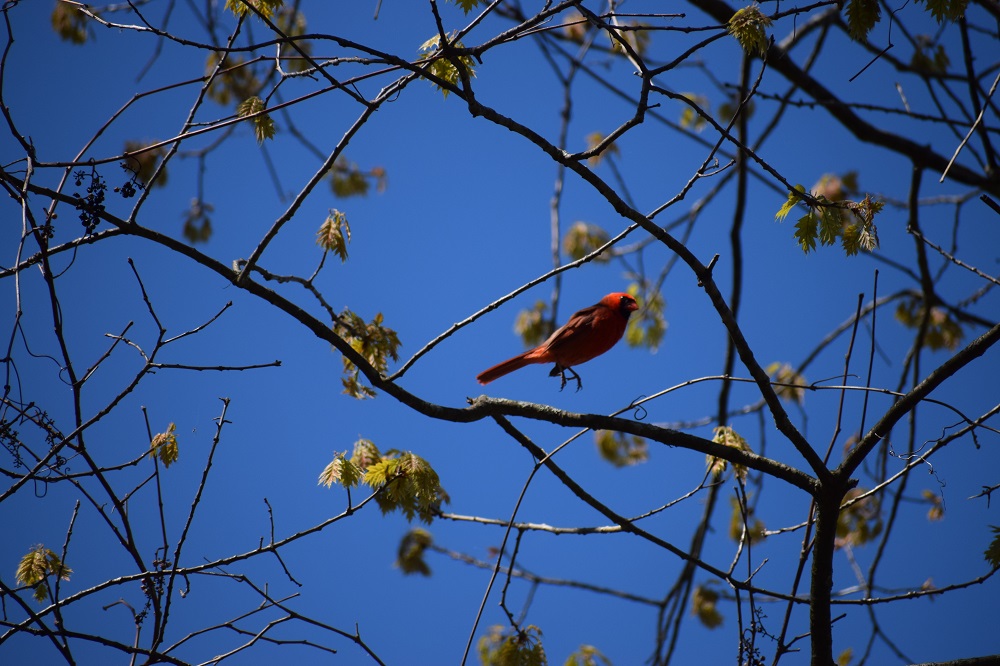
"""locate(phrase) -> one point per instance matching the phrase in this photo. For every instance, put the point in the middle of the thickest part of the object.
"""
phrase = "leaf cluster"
(263, 125)
(507, 647)
(861, 521)
(647, 326)
(992, 553)
(197, 222)
(403, 481)
(748, 26)
(164, 446)
(69, 23)
(443, 67)
(587, 655)
(348, 180)
(410, 557)
(755, 529)
(726, 436)
(630, 35)
(582, 238)
(942, 331)
(236, 79)
(621, 449)
(533, 325)
(143, 161)
(705, 606)
(827, 220)
(334, 234)
(791, 385)
(266, 8)
(34, 568)
(594, 139)
(374, 341)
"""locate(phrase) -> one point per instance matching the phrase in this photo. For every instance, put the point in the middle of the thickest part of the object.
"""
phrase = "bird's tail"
(501, 369)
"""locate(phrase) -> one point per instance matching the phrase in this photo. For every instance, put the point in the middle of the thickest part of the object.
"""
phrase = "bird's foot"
(574, 374)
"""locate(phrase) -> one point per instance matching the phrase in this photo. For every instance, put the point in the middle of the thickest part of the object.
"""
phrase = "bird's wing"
(582, 319)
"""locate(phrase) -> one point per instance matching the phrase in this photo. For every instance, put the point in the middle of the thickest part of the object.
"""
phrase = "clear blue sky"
(465, 220)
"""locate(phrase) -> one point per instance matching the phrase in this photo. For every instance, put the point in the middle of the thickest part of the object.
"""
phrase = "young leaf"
(467, 5)
(794, 196)
(621, 449)
(243, 7)
(164, 446)
(992, 553)
(582, 238)
(587, 655)
(755, 530)
(747, 26)
(375, 342)
(806, 231)
(862, 15)
(342, 471)
(334, 234)
(532, 325)
(647, 326)
(410, 556)
(726, 436)
(860, 522)
(792, 385)
(936, 512)
(36, 565)
(504, 647)
(263, 125)
(444, 68)
(594, 139)
(704, 604)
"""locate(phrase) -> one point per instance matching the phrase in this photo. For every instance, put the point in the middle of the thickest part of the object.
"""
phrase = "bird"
(587, 334)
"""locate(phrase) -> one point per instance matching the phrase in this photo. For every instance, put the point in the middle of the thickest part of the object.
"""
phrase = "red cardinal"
(588, 334)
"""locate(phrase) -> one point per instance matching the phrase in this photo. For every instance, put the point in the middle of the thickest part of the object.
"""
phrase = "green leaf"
(861, 521)
(726, 436)
(532, 325)
(243, 7)
(646, 327)
(621, 449)
(831, 224)
(444, 68)
(946, 10)
(410, 556)
(587, 655)
(334, 234)
(69, 23)
(862, 15)
(583, 238)
(794, 196)
(164, 446)
(704, 605)
(341, 471)
(594, 139)
(747, 26)
(690, 118)
(407, 482)
(263, 125)
(806, 231)
(467, 5)
(36, 565)
(992, 553)
(791, 384)
(374, 341)
(755, 530)
(504, 647)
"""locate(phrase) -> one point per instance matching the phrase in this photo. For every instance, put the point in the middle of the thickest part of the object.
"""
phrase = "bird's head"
(621, 302)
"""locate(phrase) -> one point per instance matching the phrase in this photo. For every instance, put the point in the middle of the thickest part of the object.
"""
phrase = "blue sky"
(463, 221)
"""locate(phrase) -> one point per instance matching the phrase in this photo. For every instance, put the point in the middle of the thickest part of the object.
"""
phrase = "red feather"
(588, 333)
